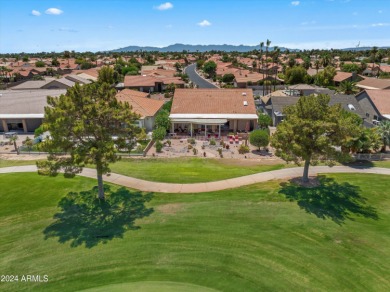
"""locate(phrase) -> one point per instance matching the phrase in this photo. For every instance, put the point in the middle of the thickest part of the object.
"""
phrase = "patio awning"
(200, 121)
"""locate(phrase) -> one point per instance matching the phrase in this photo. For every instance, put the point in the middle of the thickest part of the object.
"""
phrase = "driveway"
(196, 79)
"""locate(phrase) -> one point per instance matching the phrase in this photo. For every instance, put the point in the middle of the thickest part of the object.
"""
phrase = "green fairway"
(8, 163)
(187, 170)
(262, 237)
(152, 287)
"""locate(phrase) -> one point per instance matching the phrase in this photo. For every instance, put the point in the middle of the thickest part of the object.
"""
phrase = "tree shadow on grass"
(84, 219)
(330, 200)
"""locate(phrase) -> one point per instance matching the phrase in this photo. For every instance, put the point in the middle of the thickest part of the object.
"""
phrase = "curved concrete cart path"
(149, 186)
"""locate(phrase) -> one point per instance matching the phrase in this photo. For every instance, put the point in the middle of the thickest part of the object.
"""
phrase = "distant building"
(23, 110)
(151, 83)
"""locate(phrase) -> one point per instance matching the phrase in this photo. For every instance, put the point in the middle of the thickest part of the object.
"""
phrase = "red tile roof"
(140, 103)
(341, 76)
(213, 101)
(138, 81)
(374, 83)
(381, 99)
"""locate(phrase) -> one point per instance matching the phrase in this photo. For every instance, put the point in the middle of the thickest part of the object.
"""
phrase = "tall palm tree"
(67, 56)
(317, 65)
(262, 61)
(276, 54)
(384, 131)
(268, 43)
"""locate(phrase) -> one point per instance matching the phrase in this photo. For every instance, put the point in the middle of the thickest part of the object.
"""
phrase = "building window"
(367, 115)
(375, 117)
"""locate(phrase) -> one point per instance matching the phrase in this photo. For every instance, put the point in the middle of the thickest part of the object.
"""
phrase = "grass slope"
(186, 170)
(248, 239)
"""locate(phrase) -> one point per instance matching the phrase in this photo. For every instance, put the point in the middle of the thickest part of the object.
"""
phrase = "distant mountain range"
(363, 48)
(195, 48)
(207, 48)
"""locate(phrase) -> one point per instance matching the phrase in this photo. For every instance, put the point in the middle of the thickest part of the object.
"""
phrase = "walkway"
(160, 187)
(196, 79)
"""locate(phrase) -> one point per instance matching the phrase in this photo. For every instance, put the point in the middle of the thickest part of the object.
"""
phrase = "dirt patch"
(171, 209)
(312, 183)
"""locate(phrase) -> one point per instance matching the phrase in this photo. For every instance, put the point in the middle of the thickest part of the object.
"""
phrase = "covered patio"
(193, 127)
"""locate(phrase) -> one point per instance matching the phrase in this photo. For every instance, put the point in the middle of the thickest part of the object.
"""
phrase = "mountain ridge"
(178, 47)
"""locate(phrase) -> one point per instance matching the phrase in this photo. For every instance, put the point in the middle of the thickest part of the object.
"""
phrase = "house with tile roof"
(149, 84)
(213, 111)
(23, 110)
(374, 83)
(343, 76)
(51, 83)
(142, 105)
(375, 105)
(279, 103)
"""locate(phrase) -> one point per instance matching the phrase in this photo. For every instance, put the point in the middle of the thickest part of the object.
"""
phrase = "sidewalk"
(160, 187)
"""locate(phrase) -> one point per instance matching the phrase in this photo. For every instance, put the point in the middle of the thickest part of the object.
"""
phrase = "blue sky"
(81, 25)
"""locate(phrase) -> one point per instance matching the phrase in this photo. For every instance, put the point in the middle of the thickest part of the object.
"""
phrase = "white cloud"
(54, 11)
(164, 6)
(204, 23)
(380, 24)
(380, 11)
(295, 3)
(35, 13)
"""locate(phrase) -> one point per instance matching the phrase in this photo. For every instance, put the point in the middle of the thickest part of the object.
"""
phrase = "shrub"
(243, 149)
(189, 146)
(195, 151)
(40, 64)
(227, 78)
(212, 142)
(169, 142)
(38, 131)
(259, 138)
(159, 133)
(139, 149)
(159, 146)
(191, 141)
(264, 121)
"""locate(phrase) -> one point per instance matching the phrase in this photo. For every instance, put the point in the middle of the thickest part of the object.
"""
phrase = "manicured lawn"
(186, 170)
(385, 164)
(255, 238)
(7, 163)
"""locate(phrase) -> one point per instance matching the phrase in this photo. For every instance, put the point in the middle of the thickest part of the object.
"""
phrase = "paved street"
(196, 79)
(160, 187)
